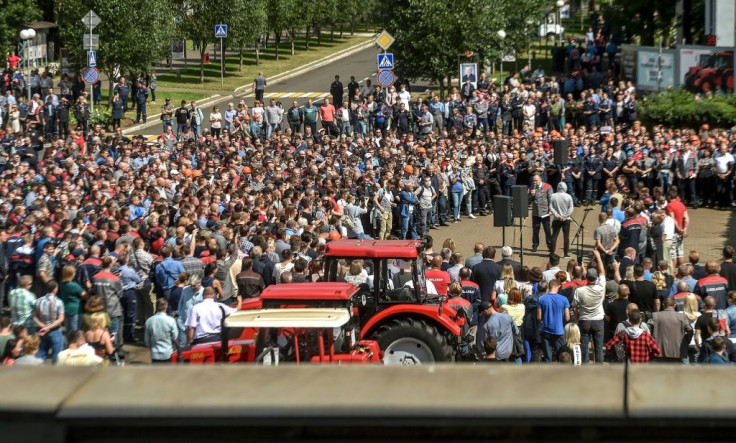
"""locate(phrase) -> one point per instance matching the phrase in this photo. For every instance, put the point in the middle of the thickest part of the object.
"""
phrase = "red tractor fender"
(428, 312)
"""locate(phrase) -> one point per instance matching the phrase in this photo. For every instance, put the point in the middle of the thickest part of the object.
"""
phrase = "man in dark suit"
(486, 273)
(686, 169)
(507, 259)
(50, 117)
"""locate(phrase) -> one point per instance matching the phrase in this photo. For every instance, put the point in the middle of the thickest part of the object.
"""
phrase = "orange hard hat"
(246, 169)
(409, 169)
(334, 235)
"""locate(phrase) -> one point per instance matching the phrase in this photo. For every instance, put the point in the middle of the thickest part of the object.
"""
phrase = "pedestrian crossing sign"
(220, 31)
(385, 61)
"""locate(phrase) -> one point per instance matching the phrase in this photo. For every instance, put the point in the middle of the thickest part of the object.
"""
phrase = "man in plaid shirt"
(640, 345)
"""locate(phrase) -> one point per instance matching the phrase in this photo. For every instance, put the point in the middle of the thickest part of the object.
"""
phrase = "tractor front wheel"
(408, 341)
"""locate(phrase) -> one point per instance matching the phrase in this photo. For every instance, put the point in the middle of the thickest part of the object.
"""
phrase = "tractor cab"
(394, 268)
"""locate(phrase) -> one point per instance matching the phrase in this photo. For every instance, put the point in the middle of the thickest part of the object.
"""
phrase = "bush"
(683, 109)
(102, 117)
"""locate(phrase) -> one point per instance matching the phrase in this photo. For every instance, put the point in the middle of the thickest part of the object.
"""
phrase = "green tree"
(13, 14)
(646, 19)
(431, 35)
(197, 20)
(280, 14)
(134, 34)
(246, 25)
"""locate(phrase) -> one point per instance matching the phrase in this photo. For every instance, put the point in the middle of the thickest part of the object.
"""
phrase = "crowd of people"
(95, 224)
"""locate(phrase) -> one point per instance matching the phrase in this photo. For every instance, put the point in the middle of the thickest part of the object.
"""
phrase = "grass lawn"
(234, 77)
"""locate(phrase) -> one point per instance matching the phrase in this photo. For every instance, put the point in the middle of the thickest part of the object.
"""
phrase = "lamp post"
(502, 35)
(559, 4)
(26, 36)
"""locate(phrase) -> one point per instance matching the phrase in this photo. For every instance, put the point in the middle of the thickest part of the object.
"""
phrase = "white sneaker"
(471, 216)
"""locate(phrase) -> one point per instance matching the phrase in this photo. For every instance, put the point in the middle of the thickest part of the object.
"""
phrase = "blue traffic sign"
(385, 60)
(90, 75)
(220, 31)
(386, 78)
(92, 59)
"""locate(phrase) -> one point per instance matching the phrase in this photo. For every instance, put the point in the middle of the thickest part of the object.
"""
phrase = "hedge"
(683, 109)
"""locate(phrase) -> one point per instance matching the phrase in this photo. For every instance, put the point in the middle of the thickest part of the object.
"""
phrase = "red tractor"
(713, 72)
(393, 311)
(410, 324)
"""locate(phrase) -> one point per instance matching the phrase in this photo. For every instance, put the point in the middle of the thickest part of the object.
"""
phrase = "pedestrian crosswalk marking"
(313, 95)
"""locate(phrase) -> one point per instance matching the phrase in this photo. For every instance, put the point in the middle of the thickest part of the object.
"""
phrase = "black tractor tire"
(419, 330)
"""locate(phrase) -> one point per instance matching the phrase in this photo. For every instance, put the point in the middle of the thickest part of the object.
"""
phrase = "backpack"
(518, 350)
(531, 327)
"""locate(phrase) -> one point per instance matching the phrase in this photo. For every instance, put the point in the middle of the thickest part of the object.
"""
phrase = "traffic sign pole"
(221, 33)
(91, 19)
(91, 87)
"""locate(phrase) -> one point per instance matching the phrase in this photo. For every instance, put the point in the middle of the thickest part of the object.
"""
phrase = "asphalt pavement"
(313, 84)
(316, 84)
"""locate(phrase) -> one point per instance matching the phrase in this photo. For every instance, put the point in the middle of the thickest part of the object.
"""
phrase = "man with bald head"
(477, 256)
(440, 279)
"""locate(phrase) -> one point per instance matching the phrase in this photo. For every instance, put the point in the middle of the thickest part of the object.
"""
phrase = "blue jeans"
(591, 329)
(457, 197)
(271, 128)
(408, 230)
(550, 345)
(71, 322)
(180, 127)
(115, 323)
(53, 340)
(197, 129)
(130, 313)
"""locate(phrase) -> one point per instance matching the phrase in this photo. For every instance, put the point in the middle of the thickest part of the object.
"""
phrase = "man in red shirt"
(13, 61)
(327, 115)
(677, 210)
(438, 277)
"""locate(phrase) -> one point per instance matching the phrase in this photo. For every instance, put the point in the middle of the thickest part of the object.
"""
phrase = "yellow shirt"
(516, 312)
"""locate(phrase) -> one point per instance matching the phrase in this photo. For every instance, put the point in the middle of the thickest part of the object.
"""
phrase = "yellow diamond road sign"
(385, 40)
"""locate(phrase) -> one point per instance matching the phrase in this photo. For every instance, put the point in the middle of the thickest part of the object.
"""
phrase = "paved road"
(314, 84)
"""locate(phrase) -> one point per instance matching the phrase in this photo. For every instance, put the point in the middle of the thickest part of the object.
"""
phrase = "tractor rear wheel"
(408, 341)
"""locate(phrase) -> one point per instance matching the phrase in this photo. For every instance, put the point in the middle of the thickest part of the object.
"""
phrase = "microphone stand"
(578, 239)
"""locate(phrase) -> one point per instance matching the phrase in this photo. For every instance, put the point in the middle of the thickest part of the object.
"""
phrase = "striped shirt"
(49, 308)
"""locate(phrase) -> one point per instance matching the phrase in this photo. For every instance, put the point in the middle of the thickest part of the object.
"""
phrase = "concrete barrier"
(190, 403)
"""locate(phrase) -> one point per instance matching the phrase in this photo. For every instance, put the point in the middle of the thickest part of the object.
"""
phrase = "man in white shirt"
(668, 230)
(723, 164)
(204, 320)
(588, 305)
(404, 96)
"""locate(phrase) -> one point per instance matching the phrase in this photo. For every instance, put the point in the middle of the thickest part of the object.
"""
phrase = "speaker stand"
(521, 241)
(503, 236)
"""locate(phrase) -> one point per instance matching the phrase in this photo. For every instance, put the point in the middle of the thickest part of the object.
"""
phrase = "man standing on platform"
(541, 196)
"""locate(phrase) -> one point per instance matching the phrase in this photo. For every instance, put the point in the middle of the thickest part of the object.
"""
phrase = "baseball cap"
(484, 306)
(592, 274)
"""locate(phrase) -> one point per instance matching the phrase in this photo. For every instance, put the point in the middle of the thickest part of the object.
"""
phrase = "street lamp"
(502, 35)
(26, 36)
(560, 4)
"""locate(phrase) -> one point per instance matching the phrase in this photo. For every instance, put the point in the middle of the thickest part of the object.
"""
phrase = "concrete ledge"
(672, 392)
(335, 393)
(38, 390)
